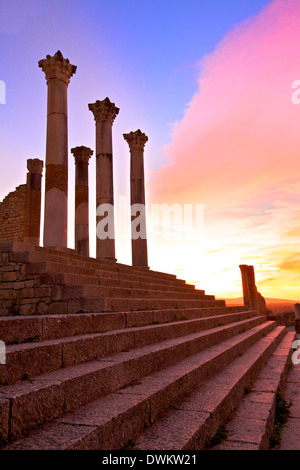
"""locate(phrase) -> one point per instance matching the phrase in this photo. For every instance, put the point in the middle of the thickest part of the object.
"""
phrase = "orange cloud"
(236, 150)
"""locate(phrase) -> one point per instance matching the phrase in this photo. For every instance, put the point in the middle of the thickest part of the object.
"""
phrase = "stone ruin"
(252, 298)
(100, 355)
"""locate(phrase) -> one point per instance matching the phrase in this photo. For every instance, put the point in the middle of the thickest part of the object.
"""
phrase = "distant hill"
(269, 301)
(275, 305)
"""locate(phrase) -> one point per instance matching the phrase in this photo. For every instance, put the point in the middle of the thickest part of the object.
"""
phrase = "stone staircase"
(102, 355)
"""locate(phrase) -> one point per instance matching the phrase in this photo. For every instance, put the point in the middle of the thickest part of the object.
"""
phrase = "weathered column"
(58, 72)
(252, 288)
(136, 141)
(82, 156)
(249, 287)
(244, 274)
(105, 113)
(33, 201)
(297, 317)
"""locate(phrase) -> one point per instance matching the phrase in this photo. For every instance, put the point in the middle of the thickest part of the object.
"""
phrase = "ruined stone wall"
(12, 215)
(283, 319)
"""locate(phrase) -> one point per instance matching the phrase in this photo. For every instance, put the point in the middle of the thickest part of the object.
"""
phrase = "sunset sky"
(210, 83)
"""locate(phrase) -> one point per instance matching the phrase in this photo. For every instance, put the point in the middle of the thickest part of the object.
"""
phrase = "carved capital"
(57, 67)
(35, 166)
(82, 154)
(136, 140)
(104, 110)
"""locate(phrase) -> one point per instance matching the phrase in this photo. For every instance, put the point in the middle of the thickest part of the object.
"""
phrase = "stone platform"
(102, 355)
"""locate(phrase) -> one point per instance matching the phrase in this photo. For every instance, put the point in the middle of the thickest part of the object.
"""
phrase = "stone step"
(41, 254)
(118, 417)
(250, 425)
(78, 260)
(195, 421)
(49, 396)
(93, 269)
(46, 267)
(74, 292)
(87, 291)
(69, 279)
(92, 305)
(45, 300)
(16, 249)
(32, 359)
(33, 328)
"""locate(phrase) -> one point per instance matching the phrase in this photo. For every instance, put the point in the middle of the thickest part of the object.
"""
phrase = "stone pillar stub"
(58, 72)
(33, 201)
(104, 113)
(297, 317)
(136, 141)
(297, 311)
(252, 288)
(82, 155)
(250, 293)
(243, 268)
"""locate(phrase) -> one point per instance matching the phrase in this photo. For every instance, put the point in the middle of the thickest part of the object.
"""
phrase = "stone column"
(58, 72)
(82, 156)
(105, 113)
(136, 141)
(249, 287)
(33, 201)
(244, 274)
(297, 317)
(252, 288)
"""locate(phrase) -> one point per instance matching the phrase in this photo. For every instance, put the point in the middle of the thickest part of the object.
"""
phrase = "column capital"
(136, 140)
(57, 67)
(82, 154)
(104, 110)
(35, 166)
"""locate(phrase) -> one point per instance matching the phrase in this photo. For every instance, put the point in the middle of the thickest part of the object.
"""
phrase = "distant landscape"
(276, 305)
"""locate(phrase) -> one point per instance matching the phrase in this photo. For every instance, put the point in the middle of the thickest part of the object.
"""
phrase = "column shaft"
(249, 287)
(82, 155)
(104, 114)
(33, 202)
(56, 196)
(136, 141)
(252, 288)
(244, 274)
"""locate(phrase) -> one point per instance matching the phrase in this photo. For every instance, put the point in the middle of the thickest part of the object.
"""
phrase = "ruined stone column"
(82, 156)
(297, 317)
(105, 113)
(58, 72)
(33, 201)
(249, 287)
(244, 274)
(136, 141)
(252, 288)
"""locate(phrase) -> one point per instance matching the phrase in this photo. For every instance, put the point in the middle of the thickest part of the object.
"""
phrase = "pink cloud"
(237, 148)
(241, 131)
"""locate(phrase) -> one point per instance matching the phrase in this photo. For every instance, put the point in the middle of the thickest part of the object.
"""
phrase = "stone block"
(4, 420)
(9, 277)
